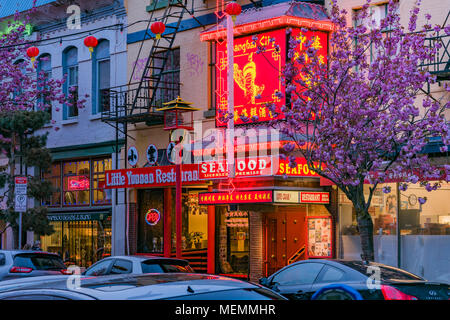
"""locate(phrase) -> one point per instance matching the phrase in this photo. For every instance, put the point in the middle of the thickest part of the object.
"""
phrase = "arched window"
(101, 75)
(70, 68)
(44, 66)
(22, 67)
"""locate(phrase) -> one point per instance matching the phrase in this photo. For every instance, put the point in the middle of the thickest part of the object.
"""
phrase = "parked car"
(136, 265)
(152, 286)
(29, 263)
(300, 280)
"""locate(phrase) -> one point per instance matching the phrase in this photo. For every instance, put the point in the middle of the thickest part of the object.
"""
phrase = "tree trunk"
(365, 226)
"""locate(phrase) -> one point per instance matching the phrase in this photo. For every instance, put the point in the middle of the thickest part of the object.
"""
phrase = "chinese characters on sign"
(256, 76)
(235, 197)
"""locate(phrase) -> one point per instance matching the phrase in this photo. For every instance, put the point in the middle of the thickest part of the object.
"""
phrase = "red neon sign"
(152, 217)
(77, 183)
(246, 167)
(209, 198)
(256, 76)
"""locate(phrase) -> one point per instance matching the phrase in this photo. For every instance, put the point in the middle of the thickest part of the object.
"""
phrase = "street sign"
(20, 204)
(20, 185)
(20, 191)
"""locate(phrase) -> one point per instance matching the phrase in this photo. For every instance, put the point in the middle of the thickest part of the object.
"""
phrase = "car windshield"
(156, 266)
(386, 272)
(39, 261)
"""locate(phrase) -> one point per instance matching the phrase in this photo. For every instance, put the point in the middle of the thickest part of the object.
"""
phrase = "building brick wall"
(256, 245)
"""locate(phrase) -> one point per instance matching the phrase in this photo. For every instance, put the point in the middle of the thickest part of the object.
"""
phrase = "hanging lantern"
(233, 9)
(91, 42)
(32, 52)
(158, 28)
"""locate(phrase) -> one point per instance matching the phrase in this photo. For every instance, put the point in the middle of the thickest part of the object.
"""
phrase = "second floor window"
(169, 86)
(45, 66)
(71, 85)
(102, 69)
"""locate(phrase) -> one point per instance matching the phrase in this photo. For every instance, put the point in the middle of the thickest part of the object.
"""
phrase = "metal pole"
(178, 216)
(399, 237)
(20, 213)
(230, 87)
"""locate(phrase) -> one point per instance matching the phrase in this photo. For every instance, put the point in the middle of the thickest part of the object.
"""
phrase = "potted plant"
(196, 238)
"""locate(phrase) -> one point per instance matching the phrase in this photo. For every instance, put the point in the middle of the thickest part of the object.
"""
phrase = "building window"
(54, 176)
(76, 183)
(99, 193)
(80, 187)
(169, 86)
(102, 75)
(233, 241)
(150, 221)
(70, 60)
(45, 67)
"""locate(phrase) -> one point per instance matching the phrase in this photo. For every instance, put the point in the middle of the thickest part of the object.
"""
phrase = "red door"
(284, 237)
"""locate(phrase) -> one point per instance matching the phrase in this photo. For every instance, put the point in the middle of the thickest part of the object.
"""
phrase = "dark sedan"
(374, 281)
(155, 286)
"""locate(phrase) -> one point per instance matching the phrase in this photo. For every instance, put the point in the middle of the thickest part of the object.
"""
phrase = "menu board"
(319, 237)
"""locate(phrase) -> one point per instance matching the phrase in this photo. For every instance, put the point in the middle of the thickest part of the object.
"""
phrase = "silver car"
(137, 264)
(28, 263)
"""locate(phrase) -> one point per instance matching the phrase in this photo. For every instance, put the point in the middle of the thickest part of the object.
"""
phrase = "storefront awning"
(253, 20)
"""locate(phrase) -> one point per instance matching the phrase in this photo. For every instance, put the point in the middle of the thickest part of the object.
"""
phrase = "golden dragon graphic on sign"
(245, 79)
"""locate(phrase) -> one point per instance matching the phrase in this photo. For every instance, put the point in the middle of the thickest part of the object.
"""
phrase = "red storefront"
(270, 215)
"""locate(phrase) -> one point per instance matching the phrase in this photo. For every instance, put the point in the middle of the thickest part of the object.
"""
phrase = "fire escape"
(137, 102)
(440, 65)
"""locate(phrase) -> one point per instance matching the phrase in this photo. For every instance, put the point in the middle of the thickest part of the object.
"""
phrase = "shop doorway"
(284, 237)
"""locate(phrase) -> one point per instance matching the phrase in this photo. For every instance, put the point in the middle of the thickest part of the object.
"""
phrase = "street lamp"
(178, 114)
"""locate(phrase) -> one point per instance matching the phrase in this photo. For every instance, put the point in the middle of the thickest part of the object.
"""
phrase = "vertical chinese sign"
(257, 76)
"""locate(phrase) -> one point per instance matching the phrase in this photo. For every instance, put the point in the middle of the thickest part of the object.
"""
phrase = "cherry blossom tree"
(357, 119)
(26, 99)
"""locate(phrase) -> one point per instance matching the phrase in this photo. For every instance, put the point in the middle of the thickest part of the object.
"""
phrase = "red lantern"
(32, 52)
(233, 9)
(91, 42)
(157, 28)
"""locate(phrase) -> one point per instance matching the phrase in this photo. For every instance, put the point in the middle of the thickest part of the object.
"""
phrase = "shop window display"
(99, 193)
(76, 182)
(54, 176)
(233, 241)
(194, 233)
(150, 225)
(383, 210)
(79, 242)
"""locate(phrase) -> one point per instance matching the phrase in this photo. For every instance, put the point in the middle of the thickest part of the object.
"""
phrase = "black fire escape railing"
(440, 64)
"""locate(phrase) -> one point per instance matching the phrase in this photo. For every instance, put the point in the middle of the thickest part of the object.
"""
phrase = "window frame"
(273, 282)
(68, 69)
(123, 260)
(97, 106)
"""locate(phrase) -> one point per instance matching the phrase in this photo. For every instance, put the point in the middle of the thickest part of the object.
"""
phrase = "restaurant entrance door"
(285, 238)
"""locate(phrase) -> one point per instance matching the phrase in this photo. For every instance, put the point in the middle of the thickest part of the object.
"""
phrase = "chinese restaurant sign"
(301, 170)
(246, 167)
(301, 197)
(256, 76)
(235, 197)
(150, 176)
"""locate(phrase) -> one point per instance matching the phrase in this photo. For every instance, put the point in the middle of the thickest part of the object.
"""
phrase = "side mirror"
(263, 281)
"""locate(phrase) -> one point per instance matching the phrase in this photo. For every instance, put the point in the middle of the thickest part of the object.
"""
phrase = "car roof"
(144, 258)
(136, 286)
(26, 251)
